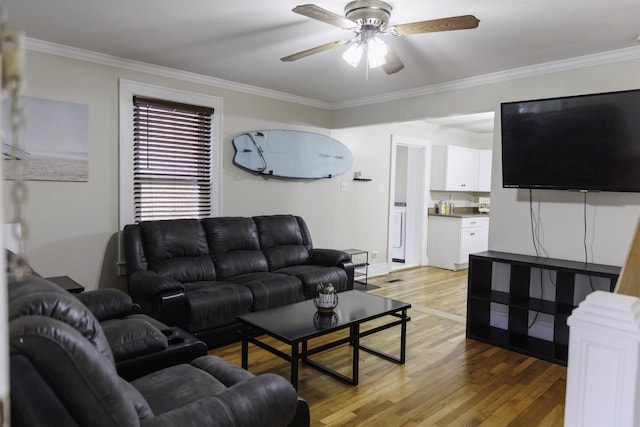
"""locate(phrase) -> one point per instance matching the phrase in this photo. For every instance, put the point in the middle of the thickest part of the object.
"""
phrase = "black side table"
(67, 283)
(360, 260)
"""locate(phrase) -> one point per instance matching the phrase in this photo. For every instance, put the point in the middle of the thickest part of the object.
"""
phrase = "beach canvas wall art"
(55, 145)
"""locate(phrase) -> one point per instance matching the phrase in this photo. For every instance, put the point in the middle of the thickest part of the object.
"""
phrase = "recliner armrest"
(328, 257)
(147, 285)
(131, 338)
(109, 303)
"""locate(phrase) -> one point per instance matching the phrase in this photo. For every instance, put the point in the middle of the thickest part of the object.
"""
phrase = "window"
(169, 153)
(171, 160)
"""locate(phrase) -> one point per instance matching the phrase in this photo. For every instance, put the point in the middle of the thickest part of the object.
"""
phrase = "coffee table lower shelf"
(256, 325)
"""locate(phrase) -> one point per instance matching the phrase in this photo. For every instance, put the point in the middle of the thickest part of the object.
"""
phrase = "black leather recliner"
(200, 275)
(63, 373)
(140, 344)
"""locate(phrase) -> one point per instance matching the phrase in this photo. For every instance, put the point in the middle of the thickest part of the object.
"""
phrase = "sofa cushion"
(139, 403)
(271, 289)
(133, 337)
(178, 249)
(234, 246)
(281, 241)
(208, 389)
(164, 393)
(313, 275)
(215, 304)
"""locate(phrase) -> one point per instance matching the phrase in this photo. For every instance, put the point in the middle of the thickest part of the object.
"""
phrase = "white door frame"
(417, 203)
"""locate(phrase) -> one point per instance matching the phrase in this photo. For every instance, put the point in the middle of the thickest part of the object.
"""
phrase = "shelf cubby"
(522, 302)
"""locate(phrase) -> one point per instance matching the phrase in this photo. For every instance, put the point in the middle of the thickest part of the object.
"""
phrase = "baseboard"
(378, 269)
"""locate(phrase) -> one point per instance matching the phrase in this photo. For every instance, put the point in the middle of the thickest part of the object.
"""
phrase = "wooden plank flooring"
(447, 379)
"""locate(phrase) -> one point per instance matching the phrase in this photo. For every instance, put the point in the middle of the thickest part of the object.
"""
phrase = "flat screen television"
(584, 143)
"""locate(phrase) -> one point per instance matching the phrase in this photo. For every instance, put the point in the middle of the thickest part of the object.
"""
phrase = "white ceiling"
(242, 41)
(480, 123)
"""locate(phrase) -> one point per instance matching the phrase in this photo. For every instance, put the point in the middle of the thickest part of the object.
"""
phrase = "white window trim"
(127, 89)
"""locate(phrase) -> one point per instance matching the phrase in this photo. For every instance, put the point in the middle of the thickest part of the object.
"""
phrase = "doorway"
(408, 202)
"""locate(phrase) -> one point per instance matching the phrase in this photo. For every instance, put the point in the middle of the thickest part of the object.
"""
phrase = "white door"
(415, 189)
(399, 233)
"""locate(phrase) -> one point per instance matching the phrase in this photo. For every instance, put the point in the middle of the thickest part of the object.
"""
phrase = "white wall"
(611, 216)
(73, 225)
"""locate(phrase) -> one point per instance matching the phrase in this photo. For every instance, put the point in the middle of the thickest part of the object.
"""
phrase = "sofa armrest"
(262, 401)
(160, 297)
(147, 285)
(328, 257)
(231, 374)
(109, 303)
(333, 258)
(350, 268)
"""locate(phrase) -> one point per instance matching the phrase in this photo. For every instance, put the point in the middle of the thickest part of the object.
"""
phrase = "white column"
(603, 376)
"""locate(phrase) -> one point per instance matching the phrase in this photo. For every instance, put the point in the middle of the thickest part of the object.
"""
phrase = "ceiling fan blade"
(393, 63)
(464, 22)
(313, 50)
(316, 12)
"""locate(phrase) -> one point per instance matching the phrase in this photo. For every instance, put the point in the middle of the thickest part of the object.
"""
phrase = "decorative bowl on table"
(327, 299)
(325, 321)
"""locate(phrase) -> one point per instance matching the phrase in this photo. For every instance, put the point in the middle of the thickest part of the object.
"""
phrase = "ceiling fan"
(370, 19)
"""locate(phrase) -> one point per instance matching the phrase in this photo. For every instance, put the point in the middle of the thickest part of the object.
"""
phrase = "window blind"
(171, 160)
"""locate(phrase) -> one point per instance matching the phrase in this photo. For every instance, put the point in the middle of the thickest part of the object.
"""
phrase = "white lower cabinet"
(452, 239)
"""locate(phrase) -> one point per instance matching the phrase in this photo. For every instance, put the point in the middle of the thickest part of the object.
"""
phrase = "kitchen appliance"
(484, 204)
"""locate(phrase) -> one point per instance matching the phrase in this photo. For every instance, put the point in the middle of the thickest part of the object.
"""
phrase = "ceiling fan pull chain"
(366, 67)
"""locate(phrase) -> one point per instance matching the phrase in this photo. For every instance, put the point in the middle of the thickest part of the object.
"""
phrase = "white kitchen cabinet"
(484, 170)
(451, 240)
(454, 168)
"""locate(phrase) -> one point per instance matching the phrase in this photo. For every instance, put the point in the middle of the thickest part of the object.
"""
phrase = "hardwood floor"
(447, 380)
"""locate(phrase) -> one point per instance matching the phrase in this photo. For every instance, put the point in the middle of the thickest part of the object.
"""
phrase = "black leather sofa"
(201, 274)
(62, 373)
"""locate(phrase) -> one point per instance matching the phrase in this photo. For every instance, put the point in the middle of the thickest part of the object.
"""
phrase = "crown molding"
(143, 67)
(498, 77)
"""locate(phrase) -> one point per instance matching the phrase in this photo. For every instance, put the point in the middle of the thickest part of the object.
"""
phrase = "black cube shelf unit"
(518, 297)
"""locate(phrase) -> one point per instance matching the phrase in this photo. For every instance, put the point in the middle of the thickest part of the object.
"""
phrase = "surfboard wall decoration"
(291, 154)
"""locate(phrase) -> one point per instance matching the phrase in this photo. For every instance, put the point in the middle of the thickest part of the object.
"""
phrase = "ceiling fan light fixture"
(375, 48)
(353, 54)
(368, 19)
(376, 52)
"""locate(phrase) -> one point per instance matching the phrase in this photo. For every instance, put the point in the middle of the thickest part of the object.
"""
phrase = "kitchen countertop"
(465, 212)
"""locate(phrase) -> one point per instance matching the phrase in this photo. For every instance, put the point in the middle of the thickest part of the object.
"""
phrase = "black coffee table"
(297, 323)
